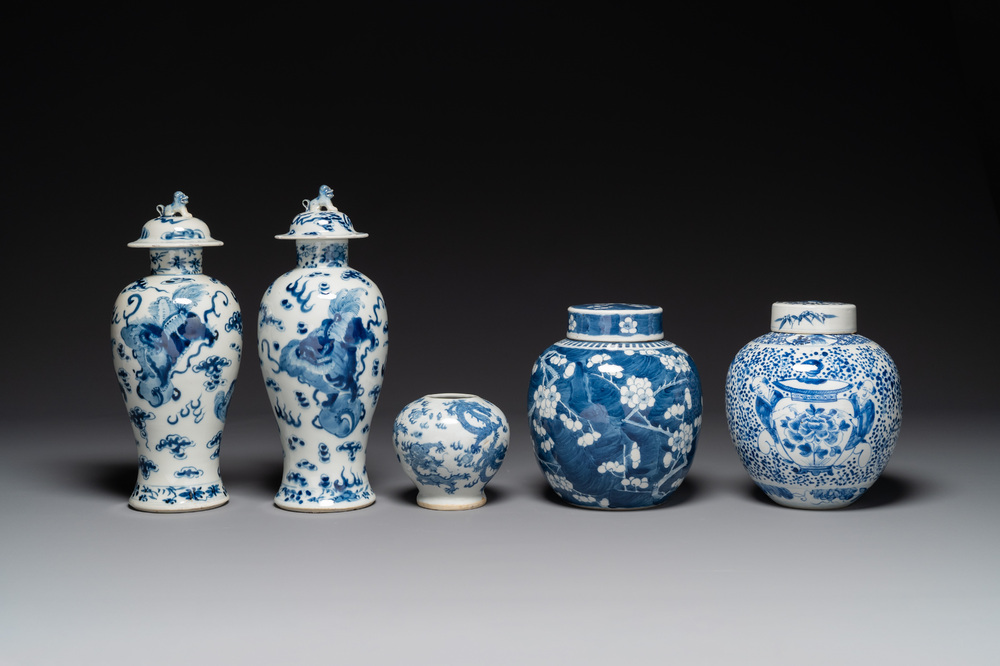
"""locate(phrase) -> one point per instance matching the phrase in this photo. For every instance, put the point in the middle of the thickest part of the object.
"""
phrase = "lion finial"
(324, 202)
(177, 208)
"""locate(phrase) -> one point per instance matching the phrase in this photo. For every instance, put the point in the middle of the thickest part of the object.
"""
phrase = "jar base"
(451, 503)
(826, 506)
(593, 507)
(812, 499)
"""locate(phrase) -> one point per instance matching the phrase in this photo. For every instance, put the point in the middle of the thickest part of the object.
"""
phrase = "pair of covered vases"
(614, 409)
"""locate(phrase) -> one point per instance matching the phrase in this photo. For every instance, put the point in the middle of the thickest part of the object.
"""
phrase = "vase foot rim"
(320, 509)
(145, 508)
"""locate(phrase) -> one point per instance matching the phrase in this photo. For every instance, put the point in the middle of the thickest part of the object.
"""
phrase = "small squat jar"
(814, 408)
(450, 445)
(615, 409)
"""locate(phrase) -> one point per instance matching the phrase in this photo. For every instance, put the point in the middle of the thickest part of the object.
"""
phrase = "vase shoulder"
(339, 273)
(303, 297)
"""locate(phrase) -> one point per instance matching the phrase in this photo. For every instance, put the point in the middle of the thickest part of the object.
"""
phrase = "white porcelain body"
(814, 415)
(450, 446)
(322, 343)
(176, 340)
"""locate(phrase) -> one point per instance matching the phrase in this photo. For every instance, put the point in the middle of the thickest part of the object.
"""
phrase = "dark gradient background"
(508, 160)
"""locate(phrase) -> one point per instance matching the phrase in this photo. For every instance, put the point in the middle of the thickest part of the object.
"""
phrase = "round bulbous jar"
(450, 445)
(614, 409)
(814, 409)
(177, 341)
(322, 342)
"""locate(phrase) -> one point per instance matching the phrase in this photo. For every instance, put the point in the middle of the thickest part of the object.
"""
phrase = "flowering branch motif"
(567, 407)
(178, 261)
(171, 494)
(547, 400)
(806, 316)
(638, 393)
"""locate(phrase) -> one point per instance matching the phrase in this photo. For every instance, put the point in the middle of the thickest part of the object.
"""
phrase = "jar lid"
(174, 226)
(321, 220)
(813, 317)
(615, 322)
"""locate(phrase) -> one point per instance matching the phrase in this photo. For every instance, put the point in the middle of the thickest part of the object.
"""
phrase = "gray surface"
(718, 575)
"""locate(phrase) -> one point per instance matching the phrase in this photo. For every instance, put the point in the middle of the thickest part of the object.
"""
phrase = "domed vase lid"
(813, 317)
(615, 322)
(174, 226)
(321, 220)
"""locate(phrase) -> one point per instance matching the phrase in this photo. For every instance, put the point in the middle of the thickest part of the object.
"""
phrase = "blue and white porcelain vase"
(615, 409)
(177, 340)
(814, 408)
(450, 445)
(322, 341)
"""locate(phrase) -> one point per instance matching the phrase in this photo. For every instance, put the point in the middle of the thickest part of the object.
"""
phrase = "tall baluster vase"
(177, 340)
(322, 341)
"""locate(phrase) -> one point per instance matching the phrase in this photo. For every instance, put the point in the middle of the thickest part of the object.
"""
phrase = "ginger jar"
(814, 409)
(614, 409)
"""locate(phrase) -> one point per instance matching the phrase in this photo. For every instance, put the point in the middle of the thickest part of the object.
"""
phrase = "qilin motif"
(330, 359)
(171, 329)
